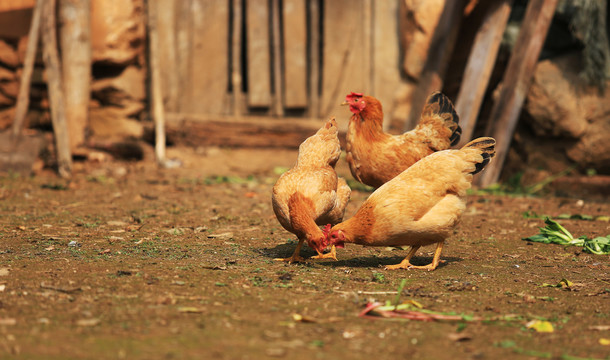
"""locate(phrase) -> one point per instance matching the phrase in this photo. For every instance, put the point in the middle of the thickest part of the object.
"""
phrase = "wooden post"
(54, 81)
(294, 52)
(75, 42)
(480, 65)
(516, 82)
(236, 79)
(166, 34)
(441, 48)
(314, 58)
(258, 53)
(184, 35)
(278, 105)
(367, 46)
(23, 99)
(157, 92)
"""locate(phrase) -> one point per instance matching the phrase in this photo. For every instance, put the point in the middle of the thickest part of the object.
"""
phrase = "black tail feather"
(445, 106)
(487, 146)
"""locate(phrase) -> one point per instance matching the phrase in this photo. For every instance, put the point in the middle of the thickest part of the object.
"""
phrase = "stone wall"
(564, 123)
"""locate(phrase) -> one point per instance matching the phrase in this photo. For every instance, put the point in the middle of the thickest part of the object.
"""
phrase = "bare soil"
(129, 261)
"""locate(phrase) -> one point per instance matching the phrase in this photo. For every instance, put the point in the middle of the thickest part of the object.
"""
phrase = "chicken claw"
(293, 259)
(295, 256)
(331, 255)
(405, 264)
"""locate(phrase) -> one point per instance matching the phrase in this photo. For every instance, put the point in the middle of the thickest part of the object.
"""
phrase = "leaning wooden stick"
(23, 98)
(517, 78)
(157, 92)
(480, 64)
(56, 97)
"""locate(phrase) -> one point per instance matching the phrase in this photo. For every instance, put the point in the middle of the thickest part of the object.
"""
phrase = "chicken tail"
(486, 147)
(440, 115)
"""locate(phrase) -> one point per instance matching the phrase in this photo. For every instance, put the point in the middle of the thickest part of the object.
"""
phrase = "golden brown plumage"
(420, 206)
(310, 194)
(375, 157)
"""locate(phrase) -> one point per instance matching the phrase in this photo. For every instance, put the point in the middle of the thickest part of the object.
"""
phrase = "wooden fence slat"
(479, 66)
(236, 62)
(166, 24)
(75, 42)
(158, 107)
(184, 33)
(56, 96)
(314, 58)
(207, 84)
(516, 82)
(386, 64)
(343, 67)
(278, 108)
(441, 48)
(295, 53)
(258, 53)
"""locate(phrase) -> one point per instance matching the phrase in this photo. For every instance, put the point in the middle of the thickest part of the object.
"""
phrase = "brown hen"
(311, 194)
(418, 207)
(375, 157)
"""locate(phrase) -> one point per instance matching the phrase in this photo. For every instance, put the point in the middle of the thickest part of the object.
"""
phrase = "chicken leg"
(405, 264)
(296, 257)
(331, 255)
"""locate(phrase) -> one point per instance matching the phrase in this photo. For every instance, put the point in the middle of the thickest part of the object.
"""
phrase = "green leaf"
(563, 283)
(599, 245)
(554, 233)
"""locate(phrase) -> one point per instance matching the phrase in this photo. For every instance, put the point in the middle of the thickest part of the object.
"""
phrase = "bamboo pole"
(166, 32)
(157, 91)
(517, 78)
(54, 81)
(75, 42)
(480, 65)
(23, 99)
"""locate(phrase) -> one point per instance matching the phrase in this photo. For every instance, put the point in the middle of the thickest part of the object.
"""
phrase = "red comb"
(326, 229)
(353, 95)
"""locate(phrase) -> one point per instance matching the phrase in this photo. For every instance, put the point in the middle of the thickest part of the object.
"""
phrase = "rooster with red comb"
(376, 157)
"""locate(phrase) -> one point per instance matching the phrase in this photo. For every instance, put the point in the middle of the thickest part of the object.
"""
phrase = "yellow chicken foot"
(331, 255)
(406, 265)
(295, 256)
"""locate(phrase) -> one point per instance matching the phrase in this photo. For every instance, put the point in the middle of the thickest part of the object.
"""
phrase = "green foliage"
(378, 277)
(554, 233)
(514, 185)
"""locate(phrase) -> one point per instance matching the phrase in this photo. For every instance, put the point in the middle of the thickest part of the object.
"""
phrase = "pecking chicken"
(375, 157)
(418, 207)
(311, 194)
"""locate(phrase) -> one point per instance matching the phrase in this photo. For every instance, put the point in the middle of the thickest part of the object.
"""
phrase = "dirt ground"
(131, 262)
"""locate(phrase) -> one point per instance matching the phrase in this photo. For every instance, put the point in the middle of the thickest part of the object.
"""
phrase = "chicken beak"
(344, 103)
